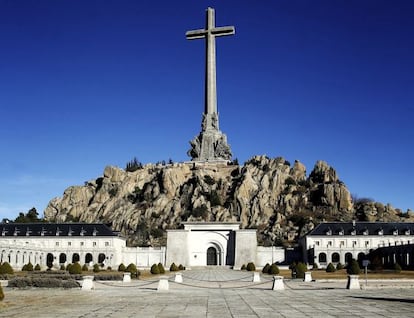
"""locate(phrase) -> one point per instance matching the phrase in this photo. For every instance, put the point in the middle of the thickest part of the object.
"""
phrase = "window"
(69, 243)
(82, 243)
(342, 243)
(322, 258)
(57, 244)
(107, 243)
(366, 243)
(94, 243)
(329, 243)
(354, 243)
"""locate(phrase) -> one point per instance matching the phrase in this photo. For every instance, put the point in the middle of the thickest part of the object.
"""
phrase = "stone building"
(339, 242)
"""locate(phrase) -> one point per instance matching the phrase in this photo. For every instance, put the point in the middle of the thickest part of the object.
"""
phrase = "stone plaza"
(213, 292)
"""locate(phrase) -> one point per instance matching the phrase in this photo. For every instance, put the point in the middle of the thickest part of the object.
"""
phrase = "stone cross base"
(210, 145)
(353, 282)
(256, 277)
(163, 284)
(127, 277)
(308, 277)
(87, 283)
(278, 283)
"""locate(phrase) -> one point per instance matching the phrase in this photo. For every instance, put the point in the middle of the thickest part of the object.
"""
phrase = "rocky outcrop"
(268, 194)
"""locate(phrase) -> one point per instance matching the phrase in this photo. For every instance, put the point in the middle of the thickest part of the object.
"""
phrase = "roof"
(363, 228)
(56, 229)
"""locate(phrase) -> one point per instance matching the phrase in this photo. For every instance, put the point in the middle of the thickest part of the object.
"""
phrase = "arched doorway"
(49, 260)
(75, 258)
(348, 258)
(211, 256)
(62, 258)
(88, 258)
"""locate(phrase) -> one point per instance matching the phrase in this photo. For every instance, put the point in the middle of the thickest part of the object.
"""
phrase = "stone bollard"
(353, 282)
(178, 278)
(278, 283)
(308, 277)
(87, 283)
(163, 283)
(256, 277)
(127, 277)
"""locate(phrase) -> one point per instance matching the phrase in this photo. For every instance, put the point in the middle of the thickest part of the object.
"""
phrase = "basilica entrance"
(211, 256)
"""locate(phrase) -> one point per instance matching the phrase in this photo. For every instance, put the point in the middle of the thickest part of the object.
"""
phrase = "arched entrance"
(49, 260)
(212, 256)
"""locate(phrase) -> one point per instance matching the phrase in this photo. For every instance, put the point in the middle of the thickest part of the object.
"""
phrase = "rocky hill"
(277, 198)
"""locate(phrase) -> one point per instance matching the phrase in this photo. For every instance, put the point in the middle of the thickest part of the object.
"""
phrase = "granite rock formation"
(271, 195)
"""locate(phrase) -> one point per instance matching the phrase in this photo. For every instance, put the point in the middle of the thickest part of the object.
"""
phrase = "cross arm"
(195, 34)
(220, 31)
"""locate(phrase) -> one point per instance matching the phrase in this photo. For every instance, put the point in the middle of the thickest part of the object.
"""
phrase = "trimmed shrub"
(96, 268)
(1, 293)
(339, 266)
(62, 267)
(5, 268)
(266, 268)
(29, 267)
(75, 269)
(397, 268)
(173, 267)
(132, 268)
(315, 266)
(45, 282)
(243, 267)
(273, 269)
(181, 267)
(121, 268)
(108, 277)
(330, 268)
(154, 269)
(301, 268)
(353, 268)
(161, 268)
(38, 268)
(85, 268)
(251, 267)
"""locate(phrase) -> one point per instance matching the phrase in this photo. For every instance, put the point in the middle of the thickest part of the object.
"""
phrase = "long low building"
(339, 242)
(52, 245)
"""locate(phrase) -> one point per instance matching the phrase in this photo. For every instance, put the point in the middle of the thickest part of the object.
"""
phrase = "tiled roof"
(55, 229)
(363, 228)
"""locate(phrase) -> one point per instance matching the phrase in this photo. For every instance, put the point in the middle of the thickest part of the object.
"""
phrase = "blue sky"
(85, 84)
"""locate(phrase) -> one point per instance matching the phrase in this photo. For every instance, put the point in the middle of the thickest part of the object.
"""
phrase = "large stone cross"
(211, 143)
(210, 33)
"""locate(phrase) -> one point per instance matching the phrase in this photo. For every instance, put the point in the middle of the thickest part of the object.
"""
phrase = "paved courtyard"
(211, 293)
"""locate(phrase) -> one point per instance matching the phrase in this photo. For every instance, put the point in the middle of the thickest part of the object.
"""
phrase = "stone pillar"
(163, 284)
(87, 283)
(308, 277)
(127, 277)
(353, 282)
(178, 278)
(278, 283)
(256, 277)
(245, 248)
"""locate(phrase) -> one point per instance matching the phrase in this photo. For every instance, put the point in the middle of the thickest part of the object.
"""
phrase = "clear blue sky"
(85, 84)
